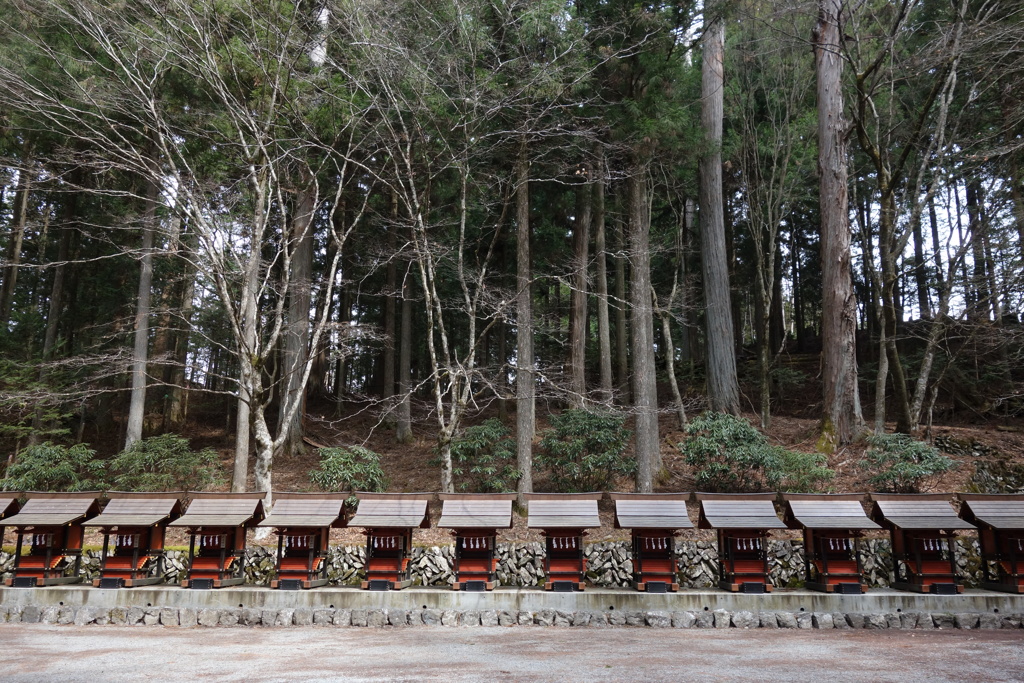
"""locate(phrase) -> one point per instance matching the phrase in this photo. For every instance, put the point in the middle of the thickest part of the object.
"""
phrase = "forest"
(412, 219)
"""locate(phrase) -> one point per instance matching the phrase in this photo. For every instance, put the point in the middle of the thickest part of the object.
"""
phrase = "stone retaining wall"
(609, 564)
(396, 618)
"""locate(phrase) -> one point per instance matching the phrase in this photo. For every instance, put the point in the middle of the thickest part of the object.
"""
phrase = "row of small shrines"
(50, 530)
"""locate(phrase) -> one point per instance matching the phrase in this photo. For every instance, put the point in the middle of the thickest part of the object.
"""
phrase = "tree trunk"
(296, 331)
(578, 306)
(19, 215)
(920, 271)
(56, 306)
(723, 386)
(647, 444)
(403, 427)
(525, 401)
(604, 340)
(890, 275)
(140, 354)
(389, 307)
(621, 331)
(177, 405)
(841, 419)
(248, 375)
(670, 361)
(501, 330)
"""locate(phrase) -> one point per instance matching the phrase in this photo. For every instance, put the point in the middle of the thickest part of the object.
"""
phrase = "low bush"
(349, 468)
(52, 467)
(166, 463)
(729, 455)
(898, 463)
(584, 450)
(484, 458)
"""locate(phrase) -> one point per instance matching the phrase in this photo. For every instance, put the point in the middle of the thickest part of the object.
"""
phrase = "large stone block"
(876, 621)
(84, 615)
(303, 616)
(209, 617)
(745, 619)
(705, 619)
(376, 618)
(658, 619)
(169, 616)
(450, 617)
(343, 617)
(432, 617)
(966, 620)
(229, 617)
(823, 620)
(786, 619)
(683, 620)
(189, 618)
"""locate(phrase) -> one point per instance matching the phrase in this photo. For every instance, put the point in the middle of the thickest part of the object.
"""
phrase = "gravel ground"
(36, 652)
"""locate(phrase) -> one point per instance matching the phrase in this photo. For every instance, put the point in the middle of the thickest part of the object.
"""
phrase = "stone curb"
(401, 618)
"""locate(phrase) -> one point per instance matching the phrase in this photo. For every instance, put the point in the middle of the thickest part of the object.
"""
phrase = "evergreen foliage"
(484, 456)
(166, 463)
(585, 451)
(53, 467)
(349, 468)
(729, 455)
(899, 463)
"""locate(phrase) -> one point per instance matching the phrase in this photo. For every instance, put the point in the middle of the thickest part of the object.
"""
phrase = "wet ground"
(36, 652)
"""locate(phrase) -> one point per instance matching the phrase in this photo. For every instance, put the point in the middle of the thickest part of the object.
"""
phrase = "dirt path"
(33, 653)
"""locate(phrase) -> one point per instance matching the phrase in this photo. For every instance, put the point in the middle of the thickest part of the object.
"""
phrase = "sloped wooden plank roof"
(740, 511)
(55, 509)
(826, 511)
(913, 512)
(138, 509)
(563, 511)
(315, 510)
(476, 512)
(994, 511)
(651, 511)
(391, 512)
(222, 510)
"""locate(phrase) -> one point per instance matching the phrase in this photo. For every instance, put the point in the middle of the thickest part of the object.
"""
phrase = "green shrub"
(729, 455)
(484, 458)
(583, 450)
(899, 463)
(166, 463)
(349, 468)
(50, 467)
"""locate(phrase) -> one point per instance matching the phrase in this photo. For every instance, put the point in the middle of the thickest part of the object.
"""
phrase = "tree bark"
(723, 386)
(621, 330)
(247, 374)
(604, 340)
(525, 401)
(19, 215)
(403, 428)
(841, 419)
(296, 331)
(140, 353)
(647, 444)
(578, 305)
